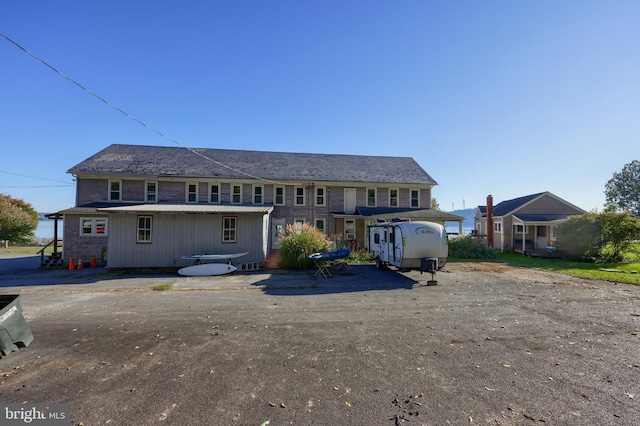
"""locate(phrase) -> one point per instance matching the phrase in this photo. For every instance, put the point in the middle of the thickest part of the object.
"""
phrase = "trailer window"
(376, 238)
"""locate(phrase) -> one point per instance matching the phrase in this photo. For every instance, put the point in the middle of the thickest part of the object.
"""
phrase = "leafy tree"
(18, 220)
(623, 189)
(619, 231)
(599, 237)
(435, 205)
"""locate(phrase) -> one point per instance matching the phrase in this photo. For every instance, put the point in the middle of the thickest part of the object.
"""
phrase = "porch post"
(524, 234)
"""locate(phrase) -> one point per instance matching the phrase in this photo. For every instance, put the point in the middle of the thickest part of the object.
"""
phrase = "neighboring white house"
(525, 223)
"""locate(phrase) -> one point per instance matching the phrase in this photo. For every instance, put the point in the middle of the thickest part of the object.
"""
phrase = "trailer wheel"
(379, 264)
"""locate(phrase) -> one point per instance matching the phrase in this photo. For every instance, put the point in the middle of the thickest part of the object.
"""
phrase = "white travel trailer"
(409, 245)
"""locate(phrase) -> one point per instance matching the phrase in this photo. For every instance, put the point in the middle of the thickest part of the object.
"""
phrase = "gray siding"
(174, 236)
(548, 204)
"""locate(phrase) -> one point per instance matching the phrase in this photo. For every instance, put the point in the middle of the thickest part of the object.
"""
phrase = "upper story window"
(258, 194)
(320, 196)
(151, 192)
(93, 226)
(214, 193)
(415, 198)
(278, 196)
(299, 199)
(393, 198)
(115, 190)
(236, 194)
(144, 229)
(372, 197)
(192, 192)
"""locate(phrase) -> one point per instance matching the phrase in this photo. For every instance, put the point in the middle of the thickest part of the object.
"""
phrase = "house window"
(320, 224)
(299, 196)
(144, 229)
(214, 193)
(415, 198)
(192, 192)
(372, 197)
(279, 196)
(236, 194)
(393, 198)
(151, 192)
(229, 229)
(350, 229)
(96, 226)
(320, 196)
(258, 193)
(518, 229)
(115, 190)
(497, 226)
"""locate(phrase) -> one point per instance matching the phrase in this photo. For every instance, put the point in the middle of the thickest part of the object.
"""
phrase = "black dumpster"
(14, 331)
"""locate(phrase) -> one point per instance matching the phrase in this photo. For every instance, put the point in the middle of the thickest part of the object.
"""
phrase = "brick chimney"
(490, 220)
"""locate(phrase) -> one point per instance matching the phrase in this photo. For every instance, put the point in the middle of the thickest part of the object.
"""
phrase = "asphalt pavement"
(488, 344)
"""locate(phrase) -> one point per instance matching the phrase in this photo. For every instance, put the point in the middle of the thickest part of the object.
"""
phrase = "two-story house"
(147, 206)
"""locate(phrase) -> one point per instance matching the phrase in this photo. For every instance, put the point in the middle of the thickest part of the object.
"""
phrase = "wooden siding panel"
(548, 204)
(174, 236)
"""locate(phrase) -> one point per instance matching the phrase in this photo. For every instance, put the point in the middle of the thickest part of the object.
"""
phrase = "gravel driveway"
(489, 344)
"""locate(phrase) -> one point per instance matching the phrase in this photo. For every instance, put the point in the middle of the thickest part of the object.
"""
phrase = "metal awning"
(188, 208)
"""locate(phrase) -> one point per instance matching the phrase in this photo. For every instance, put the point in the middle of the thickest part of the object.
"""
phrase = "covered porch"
(533, 234)
(353, 227)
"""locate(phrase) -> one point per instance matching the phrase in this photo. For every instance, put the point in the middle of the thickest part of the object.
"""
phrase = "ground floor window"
(321, 225)
(144, 229)
(93, 226)
(229, 229)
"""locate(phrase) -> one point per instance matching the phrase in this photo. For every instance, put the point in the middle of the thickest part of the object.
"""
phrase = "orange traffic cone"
(93, 262)
(80, 265)
(72, 265)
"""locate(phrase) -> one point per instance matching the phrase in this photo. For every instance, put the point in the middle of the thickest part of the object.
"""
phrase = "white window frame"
(324, 196)
(151, 197)
(324, 224)
(417, 199)
(146, 229)
(258, 198)
(519, 231)
(296, 196)
(233, 193)
(230, 229)
(375, 197)
(112, 191)
(188, 193)
(497, 226)
(349, 229)
(396, 198)
(95, 226)
(211, 194)
(275, 195)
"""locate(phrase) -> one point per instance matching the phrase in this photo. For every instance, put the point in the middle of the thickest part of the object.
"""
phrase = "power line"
(120, 110)
(34, 177)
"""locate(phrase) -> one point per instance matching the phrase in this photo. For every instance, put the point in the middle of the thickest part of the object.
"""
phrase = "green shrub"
(470, 248)
(298, 243)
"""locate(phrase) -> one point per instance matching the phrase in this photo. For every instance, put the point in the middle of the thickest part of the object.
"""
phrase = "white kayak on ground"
(207, 269)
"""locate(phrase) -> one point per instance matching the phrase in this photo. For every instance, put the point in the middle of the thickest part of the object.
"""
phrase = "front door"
(277, 231)
(349, 200)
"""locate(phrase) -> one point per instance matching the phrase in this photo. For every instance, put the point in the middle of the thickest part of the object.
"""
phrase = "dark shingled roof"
(205, 162)
(507, 206)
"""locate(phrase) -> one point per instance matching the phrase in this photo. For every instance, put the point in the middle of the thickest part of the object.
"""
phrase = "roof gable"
(509, 207)
(228, 163)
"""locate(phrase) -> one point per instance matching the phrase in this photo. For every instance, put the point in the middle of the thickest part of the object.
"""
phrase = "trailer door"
(398, 246)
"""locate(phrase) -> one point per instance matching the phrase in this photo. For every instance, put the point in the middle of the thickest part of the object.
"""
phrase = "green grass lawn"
(26, 249)
(622, 273)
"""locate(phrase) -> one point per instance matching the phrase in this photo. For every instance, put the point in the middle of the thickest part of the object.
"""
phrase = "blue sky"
(490, 97)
